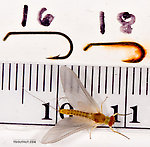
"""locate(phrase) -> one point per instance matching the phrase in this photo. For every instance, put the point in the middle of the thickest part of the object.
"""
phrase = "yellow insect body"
(75, 113)
(98, 118)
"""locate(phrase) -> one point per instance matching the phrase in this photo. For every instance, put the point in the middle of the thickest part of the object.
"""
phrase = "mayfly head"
(111, 121)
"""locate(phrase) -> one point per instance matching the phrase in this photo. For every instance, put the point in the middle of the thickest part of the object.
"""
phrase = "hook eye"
(48, 33)
(137, 57)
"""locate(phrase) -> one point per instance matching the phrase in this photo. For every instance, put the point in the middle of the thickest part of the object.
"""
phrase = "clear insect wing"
(65, 128)
(75, 92)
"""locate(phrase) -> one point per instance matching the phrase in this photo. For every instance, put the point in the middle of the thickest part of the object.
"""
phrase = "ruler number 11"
(134, 113)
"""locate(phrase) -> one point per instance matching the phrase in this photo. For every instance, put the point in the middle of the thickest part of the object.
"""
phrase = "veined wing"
(66, 127)
(75, 92)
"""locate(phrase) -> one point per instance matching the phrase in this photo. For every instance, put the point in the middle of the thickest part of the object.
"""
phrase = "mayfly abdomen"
(75, 113)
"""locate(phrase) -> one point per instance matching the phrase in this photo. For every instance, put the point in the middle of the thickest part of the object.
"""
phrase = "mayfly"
(87, 114)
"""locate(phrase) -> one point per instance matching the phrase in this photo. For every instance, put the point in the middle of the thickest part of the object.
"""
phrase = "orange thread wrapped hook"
(141, 51)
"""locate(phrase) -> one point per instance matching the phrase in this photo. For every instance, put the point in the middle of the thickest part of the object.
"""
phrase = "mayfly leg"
(118, 133)
(92, 130)
(103, 103)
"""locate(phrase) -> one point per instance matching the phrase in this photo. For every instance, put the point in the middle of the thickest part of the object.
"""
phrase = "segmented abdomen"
(75, 113)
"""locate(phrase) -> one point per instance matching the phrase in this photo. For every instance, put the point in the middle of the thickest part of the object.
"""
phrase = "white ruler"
(128, 90)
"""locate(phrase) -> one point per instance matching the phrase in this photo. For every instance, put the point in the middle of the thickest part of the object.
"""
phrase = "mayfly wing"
(75, 92)
(65, 128)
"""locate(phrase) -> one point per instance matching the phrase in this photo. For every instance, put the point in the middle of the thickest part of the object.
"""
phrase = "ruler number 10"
(134, 113)
(47, 107)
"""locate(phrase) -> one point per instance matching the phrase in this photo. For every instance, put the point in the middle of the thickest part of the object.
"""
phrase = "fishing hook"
(49, 33)
(140, 48)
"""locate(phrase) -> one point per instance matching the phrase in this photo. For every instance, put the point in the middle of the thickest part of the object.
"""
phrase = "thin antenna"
(39, 99)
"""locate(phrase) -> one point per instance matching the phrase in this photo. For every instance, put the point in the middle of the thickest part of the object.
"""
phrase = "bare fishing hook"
(49, 33)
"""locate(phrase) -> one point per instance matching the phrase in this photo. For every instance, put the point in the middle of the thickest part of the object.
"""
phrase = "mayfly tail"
(39, 99)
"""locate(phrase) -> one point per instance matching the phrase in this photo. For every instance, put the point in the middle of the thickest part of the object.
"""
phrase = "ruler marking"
(147, 80)
(85, 76)
(99, 78)
(39, 124)
(44, 72)
(37, 76)
(113, 80)
(34, 124)
(140, 82)
(119, 81)
(78, 77)
(125, 128)
(92, 78)
(30, 77)
(51, 78)
(2, 84)
(16, 80)
(57, 92)
(9, 78)
(65, 75)
(126, 95)
(23, 75)
(79, 72)
(71, 80)
(127, 74)
(106, 79)
(133, 81)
